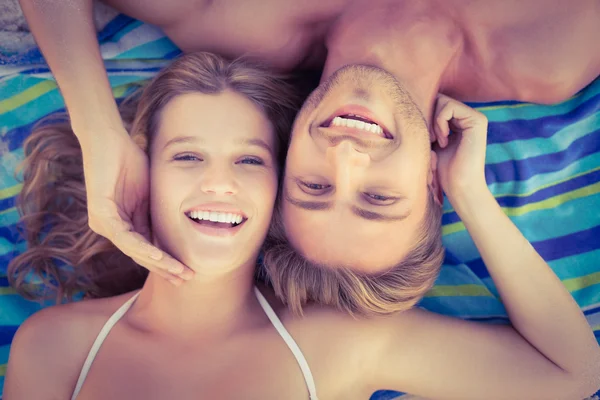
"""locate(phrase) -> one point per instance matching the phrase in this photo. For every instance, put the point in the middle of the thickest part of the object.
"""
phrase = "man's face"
(357, 172)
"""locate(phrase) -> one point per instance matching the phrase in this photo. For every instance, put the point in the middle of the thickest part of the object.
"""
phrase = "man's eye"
(378, 199)
(314, 186)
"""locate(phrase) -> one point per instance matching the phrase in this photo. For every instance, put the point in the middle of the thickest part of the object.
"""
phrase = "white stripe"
(98, 342)
(139, 36)
(310, 382)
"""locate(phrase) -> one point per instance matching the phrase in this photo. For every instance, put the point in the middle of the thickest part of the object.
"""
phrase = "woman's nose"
(218, 180)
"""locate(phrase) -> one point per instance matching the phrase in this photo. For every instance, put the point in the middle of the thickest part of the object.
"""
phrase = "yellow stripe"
(453, 228)
(2, 369)
(550, 203)
(7, 290)
(459, 290)
(555, 201)
(596, 328)
(8, 210)
(539, 188)
(26, 96)
(10, 191)
(582, 282)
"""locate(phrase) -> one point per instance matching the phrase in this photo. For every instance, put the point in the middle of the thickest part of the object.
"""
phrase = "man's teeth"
(228, 218)
(353, 123)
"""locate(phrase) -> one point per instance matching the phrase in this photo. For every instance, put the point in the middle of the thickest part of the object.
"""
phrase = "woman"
(210, 129)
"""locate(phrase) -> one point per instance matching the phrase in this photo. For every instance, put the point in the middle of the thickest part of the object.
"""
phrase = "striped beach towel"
(543, 166)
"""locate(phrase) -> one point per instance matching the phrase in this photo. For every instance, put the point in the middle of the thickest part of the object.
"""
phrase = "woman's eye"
(378, 199)
(251, 161)
(186, 157)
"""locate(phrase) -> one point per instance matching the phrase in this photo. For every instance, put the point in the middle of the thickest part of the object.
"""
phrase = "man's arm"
(65, 33)
(115, 169)
(549, 352)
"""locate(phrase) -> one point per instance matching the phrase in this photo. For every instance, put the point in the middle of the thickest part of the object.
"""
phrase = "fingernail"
(155, 255)
(174, 281)
(175, 269)
(187, 274)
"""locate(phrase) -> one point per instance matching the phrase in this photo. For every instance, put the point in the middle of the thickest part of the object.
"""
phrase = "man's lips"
(357, 120)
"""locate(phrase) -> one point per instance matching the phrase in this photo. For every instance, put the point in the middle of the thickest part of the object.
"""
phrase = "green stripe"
(537, 188)
(4, 291)
(16, 84)
(26, 96)
(582, 282)
(2, 369)
(549, 203)
(10, 191)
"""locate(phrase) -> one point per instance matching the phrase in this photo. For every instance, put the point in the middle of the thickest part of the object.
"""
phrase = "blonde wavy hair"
(297, 280)
(64, 257)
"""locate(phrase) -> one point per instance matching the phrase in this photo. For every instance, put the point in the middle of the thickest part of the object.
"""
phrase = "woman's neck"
(205, 305)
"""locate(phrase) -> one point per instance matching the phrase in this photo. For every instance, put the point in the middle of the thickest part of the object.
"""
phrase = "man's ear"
(434, 181)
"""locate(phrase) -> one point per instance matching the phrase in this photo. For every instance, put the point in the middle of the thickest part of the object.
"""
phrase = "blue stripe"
(546, 193)
(524, 169)
(537, 146)
(537, 226)
(554, 249)
(4, 281)
(385, 395)
(45, 70)
(579, 167)
(592, 311)
(7, 203)
(7, 332)
(160, 47)
(545, 127)
(117, 28)
(527, 111)
(4, 354)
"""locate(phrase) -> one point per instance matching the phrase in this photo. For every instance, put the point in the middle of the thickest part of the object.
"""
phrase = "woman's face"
(213, 180)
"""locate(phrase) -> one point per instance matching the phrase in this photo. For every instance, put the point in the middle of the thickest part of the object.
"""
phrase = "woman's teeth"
(213, 216)
(354, 123)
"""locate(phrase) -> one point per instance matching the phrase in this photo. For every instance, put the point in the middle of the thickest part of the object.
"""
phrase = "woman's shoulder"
(52, 344)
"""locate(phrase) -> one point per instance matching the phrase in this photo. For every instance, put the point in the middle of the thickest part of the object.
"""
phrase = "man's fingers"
(174, 279)
(141, 220)
(137, 247)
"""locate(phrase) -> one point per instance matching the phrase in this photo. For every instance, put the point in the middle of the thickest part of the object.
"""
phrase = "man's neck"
(417, 51)
(423, 89)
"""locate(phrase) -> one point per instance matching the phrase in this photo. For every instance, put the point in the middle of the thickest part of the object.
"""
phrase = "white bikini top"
(310, 383)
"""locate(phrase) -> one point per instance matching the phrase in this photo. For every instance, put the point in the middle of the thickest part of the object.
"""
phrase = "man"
(535, 50)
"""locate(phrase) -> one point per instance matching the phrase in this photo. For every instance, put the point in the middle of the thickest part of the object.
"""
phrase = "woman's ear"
(434, 181)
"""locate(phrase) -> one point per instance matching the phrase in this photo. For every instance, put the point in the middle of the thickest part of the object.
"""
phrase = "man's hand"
(117, 185)
(461, 155)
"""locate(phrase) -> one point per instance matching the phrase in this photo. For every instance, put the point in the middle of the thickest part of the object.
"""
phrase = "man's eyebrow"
(309, 205)
(360, 212)
(374, 216)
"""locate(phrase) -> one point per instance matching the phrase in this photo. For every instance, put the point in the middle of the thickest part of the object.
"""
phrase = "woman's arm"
(549, 352)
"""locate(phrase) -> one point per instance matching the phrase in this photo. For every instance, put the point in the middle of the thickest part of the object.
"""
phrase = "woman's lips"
(210, 229)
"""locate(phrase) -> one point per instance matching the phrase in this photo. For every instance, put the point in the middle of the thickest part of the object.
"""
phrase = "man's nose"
(349, 165)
